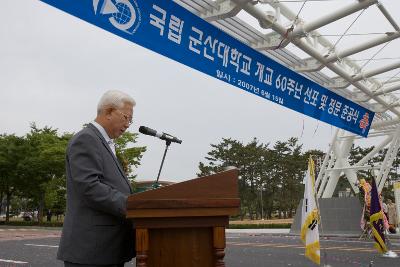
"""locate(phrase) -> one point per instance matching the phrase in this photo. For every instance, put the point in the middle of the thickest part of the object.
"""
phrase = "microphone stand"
(156, 184)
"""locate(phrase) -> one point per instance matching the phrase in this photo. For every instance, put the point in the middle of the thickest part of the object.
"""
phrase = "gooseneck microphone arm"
(167, 143)
(163, 136)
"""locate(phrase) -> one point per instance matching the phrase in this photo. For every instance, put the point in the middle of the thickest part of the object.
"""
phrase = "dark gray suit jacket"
(95, 229)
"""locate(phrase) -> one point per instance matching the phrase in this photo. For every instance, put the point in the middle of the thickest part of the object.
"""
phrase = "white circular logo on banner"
(122, 14)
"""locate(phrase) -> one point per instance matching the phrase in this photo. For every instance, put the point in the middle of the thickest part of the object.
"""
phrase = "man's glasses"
(126, 117)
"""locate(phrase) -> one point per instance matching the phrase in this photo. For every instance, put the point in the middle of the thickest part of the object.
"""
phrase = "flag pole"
(323, 250)
(389, 253)
(309, 233)
(377, 220)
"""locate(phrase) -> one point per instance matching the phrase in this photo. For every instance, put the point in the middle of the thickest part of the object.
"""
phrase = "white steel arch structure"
(277, 30)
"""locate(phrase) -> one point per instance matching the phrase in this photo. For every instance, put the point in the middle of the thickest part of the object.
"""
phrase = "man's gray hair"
(114, 99)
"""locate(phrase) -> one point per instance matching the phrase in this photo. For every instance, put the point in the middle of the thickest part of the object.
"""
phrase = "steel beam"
(224, 9)
(388, 16)
(371, 73)
(332, 17)
(386, 90)
(364, 46)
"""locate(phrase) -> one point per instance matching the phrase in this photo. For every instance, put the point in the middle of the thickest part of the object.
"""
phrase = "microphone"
(163, 136)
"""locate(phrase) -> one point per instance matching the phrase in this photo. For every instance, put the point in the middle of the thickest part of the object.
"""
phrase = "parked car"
(26, 215)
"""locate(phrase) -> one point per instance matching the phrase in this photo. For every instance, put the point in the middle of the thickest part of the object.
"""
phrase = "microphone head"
(142, 129)
(147, 131)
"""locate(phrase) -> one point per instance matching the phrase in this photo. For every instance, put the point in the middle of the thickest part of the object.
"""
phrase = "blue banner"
(169, 29)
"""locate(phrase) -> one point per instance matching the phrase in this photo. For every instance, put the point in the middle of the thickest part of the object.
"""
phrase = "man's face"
(120, 120)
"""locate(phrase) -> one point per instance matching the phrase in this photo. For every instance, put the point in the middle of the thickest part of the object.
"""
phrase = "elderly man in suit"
(95, 231)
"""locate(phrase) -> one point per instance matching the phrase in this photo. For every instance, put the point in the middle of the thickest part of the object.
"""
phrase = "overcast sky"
(54, 68)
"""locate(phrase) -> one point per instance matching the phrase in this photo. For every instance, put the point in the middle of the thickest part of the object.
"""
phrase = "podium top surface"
(213, 191)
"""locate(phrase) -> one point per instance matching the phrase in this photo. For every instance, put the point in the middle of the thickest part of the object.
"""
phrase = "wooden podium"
(184, 224)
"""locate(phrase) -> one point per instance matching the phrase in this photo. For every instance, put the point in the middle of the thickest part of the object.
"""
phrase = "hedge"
(30, 223)
(231, 226)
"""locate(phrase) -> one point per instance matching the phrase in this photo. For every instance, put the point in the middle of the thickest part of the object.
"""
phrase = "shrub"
(30, 223)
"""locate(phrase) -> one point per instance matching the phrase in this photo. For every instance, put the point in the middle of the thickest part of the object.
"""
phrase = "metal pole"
(167, 143)
(262, 205)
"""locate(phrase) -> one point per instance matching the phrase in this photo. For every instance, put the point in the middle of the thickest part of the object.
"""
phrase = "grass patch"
(260, 226)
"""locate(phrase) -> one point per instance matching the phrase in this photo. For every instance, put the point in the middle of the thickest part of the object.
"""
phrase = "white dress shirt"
(103, 132)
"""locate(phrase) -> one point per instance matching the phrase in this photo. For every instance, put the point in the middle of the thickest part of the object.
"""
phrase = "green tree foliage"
(44, 161)
(32, 167)
(55, 193)
(12, 152)
(290, 165)
(269, 179)
(245, 157)
(129, 156)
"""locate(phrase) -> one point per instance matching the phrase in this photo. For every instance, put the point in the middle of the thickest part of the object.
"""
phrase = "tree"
(290, 167)
(12, 151)
(44, 161)
(249, 159)
(33, 166)
(55, 195)
(129, 156)
(269, 179)
(45, 165)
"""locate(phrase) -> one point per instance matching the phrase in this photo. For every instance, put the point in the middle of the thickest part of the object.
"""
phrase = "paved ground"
(254, 250)
(22, 233)
(38, 247)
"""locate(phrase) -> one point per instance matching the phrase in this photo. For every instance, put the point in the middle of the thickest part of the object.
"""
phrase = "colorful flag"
(376, 219)
(310, 217)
